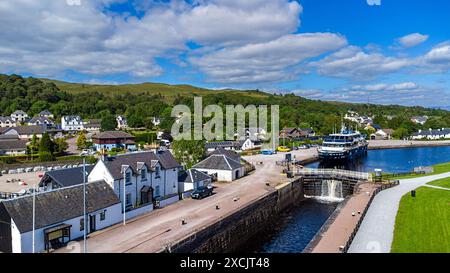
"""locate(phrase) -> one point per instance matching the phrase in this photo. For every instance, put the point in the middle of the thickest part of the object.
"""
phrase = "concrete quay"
(159, 230)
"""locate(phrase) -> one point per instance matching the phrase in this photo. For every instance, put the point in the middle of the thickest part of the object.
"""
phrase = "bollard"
(183, 222)
(217, 207)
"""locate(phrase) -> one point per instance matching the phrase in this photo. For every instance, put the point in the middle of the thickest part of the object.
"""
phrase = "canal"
(297, 227)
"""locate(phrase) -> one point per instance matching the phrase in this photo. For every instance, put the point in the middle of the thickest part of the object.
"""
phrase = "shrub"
(45, 156)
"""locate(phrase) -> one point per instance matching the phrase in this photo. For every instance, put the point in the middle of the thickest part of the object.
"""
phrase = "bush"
(45, 156)
(147, 137)
(8, 159)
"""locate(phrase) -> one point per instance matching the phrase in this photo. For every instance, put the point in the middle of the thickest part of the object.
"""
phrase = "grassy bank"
(423, 223)
(437, 169)
(445, 183)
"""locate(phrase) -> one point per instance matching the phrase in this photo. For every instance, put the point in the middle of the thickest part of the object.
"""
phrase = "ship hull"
(348, 155)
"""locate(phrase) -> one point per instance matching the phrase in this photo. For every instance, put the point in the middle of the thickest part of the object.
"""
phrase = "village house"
(19, 116)
(93, 125)
(63, 178)
(148, 179)
(12, 145)
(46, 114)
(6, 122)
(241, 145)
(121, 123)
(297, 133)
(113, 140)
(41, 121)
(383, 134)
(228, 153)
(419, 119)
(222, 167)
(26, 132)
(59, 217)
(72, 123)
(192, 179)
(431, 134)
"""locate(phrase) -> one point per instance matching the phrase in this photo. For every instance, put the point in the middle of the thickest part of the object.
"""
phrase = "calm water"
(397, 160)
(295, 229)
(298, 226)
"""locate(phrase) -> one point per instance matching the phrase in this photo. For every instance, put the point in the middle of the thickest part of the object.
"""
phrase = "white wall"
(23, 243)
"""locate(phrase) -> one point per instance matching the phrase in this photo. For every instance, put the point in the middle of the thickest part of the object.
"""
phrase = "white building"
(72, 123)
(382, 134)
(46, 114)
(419, 119)
(6, 122)
(26, 132)
(121, 122)
(19, 116)
(192, 179)
(58, 217)
(12, 145)
(431, 134)
(222, 166)
(147, 178)
(156, 121)
(41, 121)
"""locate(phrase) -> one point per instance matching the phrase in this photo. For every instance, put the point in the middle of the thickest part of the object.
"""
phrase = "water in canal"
(297, 227)
(396, 160)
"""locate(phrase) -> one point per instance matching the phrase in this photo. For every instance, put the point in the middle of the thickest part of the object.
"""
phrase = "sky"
(381, 51)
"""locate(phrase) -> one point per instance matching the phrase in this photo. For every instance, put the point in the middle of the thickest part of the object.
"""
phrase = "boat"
(347, 145)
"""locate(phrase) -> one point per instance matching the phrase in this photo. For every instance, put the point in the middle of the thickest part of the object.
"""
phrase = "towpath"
(377, 229)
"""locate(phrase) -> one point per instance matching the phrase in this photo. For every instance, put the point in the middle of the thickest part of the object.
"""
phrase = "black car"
(202, 192)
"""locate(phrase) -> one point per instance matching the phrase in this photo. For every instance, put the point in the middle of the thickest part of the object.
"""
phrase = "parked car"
(283, 149)
(267, 152)
(202, 192)
(87, 152)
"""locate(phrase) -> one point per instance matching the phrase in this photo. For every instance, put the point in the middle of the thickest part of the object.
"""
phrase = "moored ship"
(344, 146)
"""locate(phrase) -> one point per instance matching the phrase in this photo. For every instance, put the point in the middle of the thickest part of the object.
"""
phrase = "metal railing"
(333, 173)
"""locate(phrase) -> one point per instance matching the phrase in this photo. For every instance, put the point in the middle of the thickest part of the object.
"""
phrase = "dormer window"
(157, 171)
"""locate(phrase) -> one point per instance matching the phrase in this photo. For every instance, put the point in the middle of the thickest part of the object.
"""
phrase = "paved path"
(437, 187)
(153, 231)
(377, 230)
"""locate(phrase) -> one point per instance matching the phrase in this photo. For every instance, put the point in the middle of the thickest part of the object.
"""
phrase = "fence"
(333, 173)
(363, 214)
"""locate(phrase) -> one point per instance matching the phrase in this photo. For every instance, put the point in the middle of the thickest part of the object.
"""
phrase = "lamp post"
(84, 207)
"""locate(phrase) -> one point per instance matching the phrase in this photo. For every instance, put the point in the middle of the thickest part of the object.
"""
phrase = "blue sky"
(395, 51)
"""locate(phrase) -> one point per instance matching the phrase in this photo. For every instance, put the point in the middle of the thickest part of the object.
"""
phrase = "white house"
(149, 178)
(6, 122)
(382, 134)
(19, 116)
(222, 166)
(443, 133)
(12, 145)
(121, 122)
(192, 179)
(46, 114)
(93, 125)
(58, 217)
(26, 132)
(72, 123)
(41, 120)
(419, 119)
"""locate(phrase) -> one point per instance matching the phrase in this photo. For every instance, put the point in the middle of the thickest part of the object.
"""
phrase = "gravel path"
(377, 230)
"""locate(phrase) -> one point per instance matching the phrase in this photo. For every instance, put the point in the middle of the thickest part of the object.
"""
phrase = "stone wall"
(233, 231)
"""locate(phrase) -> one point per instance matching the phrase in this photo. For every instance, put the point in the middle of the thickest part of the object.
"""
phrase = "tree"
(81, 141)
(60, 145)
(109, 123)
(34, 145)
(401, 133)
(189, 152)
(46, 144)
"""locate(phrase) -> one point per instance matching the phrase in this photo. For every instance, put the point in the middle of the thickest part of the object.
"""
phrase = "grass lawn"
(423, 223)
(445, 183)
(438, 169)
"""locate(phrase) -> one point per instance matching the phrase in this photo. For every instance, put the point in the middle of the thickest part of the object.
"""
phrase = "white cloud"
(412, 40)
(266, 62)
(353, 63)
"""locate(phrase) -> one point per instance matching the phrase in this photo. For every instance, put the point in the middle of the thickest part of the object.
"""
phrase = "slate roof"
(438, 132)
(222, 144)
(28, 130)
(18, 112)
(135, 160)
(45, 113)
(218, 162)
(76, 119)
(54, 207)
(13, 144)
(40, 119)
(67, 177)
(228, 153)
(192, 176)
(94, 123)
(113, 135)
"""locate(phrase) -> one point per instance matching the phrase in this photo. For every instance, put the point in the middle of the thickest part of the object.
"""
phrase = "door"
(92, 223)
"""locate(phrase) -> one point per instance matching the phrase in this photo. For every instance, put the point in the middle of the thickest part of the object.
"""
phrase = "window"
(143, 174)
(157, 191)
(128, 201)
(82, 224)
(157, 171)
(103, 215)
(127, 178)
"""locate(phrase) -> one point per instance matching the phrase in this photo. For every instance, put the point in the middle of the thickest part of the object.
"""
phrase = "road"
(386, 144)
(377, 229)
(155, 230)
